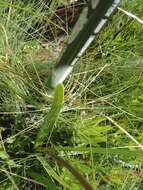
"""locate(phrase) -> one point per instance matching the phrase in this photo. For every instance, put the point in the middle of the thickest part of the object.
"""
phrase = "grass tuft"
(99, 128)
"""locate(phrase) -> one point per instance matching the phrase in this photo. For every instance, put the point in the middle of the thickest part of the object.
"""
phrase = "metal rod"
(91, 21)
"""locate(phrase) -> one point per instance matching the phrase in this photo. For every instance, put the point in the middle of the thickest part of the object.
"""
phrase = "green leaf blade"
(44, 181)
(50, 171)
(51, 117)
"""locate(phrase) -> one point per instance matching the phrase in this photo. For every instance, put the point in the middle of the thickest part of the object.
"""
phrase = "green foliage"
(43, 180)
(82, 134)
(50, 171)
(89, 131)
(50, 119)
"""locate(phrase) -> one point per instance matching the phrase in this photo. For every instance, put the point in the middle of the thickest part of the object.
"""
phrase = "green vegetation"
(98, 128)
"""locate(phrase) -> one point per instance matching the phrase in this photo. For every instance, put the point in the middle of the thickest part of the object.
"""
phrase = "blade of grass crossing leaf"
(50, 119)
(51, 172)
(97, 150)
(44, 181)
(86, 185)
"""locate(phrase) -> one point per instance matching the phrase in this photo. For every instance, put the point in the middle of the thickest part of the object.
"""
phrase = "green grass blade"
(51, 172)
(50, 119)
(44, 181)
(99, 150)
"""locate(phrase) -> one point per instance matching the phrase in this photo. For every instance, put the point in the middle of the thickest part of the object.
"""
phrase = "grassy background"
(102, 116)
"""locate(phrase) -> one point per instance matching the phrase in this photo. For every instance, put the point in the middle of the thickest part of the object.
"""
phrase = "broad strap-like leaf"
(99, 150)
(50, 119)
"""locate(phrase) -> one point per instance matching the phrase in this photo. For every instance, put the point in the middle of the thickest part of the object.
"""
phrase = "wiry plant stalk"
(71, 169)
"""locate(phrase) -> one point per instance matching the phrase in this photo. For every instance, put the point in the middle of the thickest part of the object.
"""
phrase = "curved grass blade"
(72, 170)
(99, 150)
(51, 172)
(44, 181)
(51, 118)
